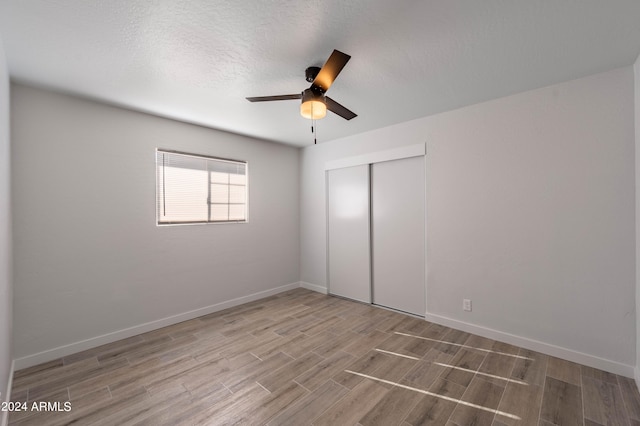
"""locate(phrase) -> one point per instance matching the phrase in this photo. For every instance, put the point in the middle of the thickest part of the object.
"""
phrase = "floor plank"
(311, 406)
(482, 398)
(561, 403)
(561, 369)
(354, 405)
(603, 402)
(631, 397)
(324, 370)
(530, 367)
(523, 401)
(392, 408)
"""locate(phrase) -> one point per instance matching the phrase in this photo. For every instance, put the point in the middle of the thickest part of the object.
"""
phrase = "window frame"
(202, 157)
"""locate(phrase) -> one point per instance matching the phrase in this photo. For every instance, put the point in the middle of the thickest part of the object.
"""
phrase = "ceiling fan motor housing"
(313, 95)
(311, 73)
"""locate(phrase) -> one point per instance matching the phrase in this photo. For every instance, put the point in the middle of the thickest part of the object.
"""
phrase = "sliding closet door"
(398, 238)
(348, 223)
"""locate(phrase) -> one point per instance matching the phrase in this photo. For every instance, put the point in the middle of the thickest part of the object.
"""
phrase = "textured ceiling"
(197, 60)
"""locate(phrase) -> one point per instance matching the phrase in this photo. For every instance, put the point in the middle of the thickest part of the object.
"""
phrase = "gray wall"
(636, 70)
(5, 234)
(530, 213)
(89, 258)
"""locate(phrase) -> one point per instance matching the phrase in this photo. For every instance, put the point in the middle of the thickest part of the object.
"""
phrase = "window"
(198, 189)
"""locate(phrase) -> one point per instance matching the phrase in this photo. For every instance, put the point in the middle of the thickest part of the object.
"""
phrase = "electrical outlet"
(466, 304)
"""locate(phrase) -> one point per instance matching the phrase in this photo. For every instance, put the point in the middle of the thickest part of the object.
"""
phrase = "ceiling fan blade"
(330, 70)
(275, 98)
(336, 108)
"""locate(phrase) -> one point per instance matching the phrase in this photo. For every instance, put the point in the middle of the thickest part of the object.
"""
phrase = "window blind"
(199, 189)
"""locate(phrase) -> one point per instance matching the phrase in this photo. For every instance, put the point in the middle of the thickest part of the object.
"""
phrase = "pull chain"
(313, 127)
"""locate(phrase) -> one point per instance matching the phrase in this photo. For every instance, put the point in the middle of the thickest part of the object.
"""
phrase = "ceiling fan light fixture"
(314, 106)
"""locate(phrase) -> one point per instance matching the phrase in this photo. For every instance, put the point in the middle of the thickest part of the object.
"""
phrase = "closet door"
(348, 230)
(398, 238)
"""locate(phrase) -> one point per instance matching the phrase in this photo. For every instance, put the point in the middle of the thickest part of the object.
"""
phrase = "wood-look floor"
(302, 358)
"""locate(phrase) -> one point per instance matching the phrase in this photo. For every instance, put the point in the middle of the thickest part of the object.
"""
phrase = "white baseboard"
(4, 419)
(62, 351)
(314, 287)
(560, 352)
(535, 345)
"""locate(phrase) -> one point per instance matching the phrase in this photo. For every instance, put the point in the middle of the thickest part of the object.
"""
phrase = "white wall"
(6, 297)
(530, 213)
(89, 259)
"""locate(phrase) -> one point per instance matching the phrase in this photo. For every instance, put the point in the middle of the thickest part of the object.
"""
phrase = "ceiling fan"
(314, 102)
